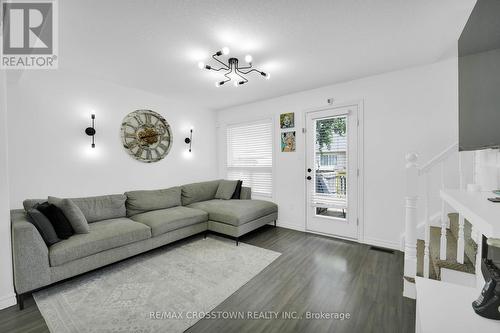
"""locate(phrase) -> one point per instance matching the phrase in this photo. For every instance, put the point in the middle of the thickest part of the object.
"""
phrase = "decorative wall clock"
(146, 135)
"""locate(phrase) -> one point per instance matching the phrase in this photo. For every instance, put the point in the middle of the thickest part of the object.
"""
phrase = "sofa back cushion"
(197, 192)
(246, 193)
(31, 203)
(144, 201)
(94, 209)
(103, 207)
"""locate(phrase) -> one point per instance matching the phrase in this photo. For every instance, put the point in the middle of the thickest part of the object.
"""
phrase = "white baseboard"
(290, 226)
(332, 236)
(369, 241)
(382, 243)
(7, 301)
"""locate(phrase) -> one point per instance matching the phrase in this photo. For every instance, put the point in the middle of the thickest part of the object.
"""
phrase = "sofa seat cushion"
(102, 236)
(236, 212)
(165, 220)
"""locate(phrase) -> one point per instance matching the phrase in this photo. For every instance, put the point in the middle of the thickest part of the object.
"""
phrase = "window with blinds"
(250, 156)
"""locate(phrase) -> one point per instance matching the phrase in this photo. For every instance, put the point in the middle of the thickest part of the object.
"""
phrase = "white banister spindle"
(474, 234)
(479, 277)
(444, 218)
(410, 268)
(427, 226)
(460, 240)
(461, 220)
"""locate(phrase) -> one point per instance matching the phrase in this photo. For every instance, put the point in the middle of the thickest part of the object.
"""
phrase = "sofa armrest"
(30, 254)
(246, 193)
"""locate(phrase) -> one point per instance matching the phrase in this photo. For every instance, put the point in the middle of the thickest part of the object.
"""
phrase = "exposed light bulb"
(217, 84)
(266, 75)
(225, 50)
(201, 65)
(235, 83)
(248, 58)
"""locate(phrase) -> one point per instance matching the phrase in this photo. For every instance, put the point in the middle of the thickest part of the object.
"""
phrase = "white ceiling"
(155, 45)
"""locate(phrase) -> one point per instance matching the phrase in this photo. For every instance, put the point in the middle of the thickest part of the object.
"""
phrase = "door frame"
(360, 137)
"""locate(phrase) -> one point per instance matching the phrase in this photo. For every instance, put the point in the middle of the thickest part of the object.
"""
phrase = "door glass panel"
(330, 176)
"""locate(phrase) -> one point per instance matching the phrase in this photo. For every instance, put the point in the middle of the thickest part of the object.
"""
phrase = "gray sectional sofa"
(124, 225)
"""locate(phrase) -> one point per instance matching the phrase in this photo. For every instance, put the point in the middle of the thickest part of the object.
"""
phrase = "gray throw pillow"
(72, 213)
(44, 227)
(226, 189)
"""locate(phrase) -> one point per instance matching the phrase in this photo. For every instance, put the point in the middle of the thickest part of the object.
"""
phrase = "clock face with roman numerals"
(146, 135)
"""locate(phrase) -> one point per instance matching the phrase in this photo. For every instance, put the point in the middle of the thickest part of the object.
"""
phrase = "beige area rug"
(141, 293)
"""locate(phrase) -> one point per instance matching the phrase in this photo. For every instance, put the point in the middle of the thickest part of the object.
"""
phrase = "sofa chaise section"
(236, 212)
(237, 217)
(233, 217)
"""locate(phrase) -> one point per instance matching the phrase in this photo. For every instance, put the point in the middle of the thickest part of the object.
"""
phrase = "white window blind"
(250, 156)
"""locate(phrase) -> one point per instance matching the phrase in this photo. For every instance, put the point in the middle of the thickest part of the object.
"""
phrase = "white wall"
(49, 153)
(7, 297)
(414, 109)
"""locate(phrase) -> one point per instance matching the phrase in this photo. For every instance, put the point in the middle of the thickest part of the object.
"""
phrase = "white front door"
(332, 171)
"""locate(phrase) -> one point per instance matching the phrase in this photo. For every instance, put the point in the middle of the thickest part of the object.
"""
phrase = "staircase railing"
(415, 176)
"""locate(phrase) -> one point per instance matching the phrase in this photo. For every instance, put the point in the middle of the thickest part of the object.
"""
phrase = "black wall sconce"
(189, 140)
(90, 131)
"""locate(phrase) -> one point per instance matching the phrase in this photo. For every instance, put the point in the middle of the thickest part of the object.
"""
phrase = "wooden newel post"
(410, 268)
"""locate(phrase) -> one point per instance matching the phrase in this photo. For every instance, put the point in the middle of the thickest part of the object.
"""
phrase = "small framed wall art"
(287, 120)
(288, 141)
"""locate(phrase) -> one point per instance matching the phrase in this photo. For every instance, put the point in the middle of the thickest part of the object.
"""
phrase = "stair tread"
(451, 253)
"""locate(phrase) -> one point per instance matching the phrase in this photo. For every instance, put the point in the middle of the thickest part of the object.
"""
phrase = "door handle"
(308, 178)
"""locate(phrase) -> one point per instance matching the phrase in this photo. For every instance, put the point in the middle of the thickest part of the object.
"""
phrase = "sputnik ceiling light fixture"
(232, 69)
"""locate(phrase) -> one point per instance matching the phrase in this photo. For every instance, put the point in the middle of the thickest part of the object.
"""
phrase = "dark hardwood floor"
(314, 274)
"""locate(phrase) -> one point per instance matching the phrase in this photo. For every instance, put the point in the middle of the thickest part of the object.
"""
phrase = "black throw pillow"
(57, 219)
(43, 226)
(237, 190)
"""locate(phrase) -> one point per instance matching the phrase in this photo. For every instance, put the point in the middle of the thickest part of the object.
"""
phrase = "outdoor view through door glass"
(330, 195)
